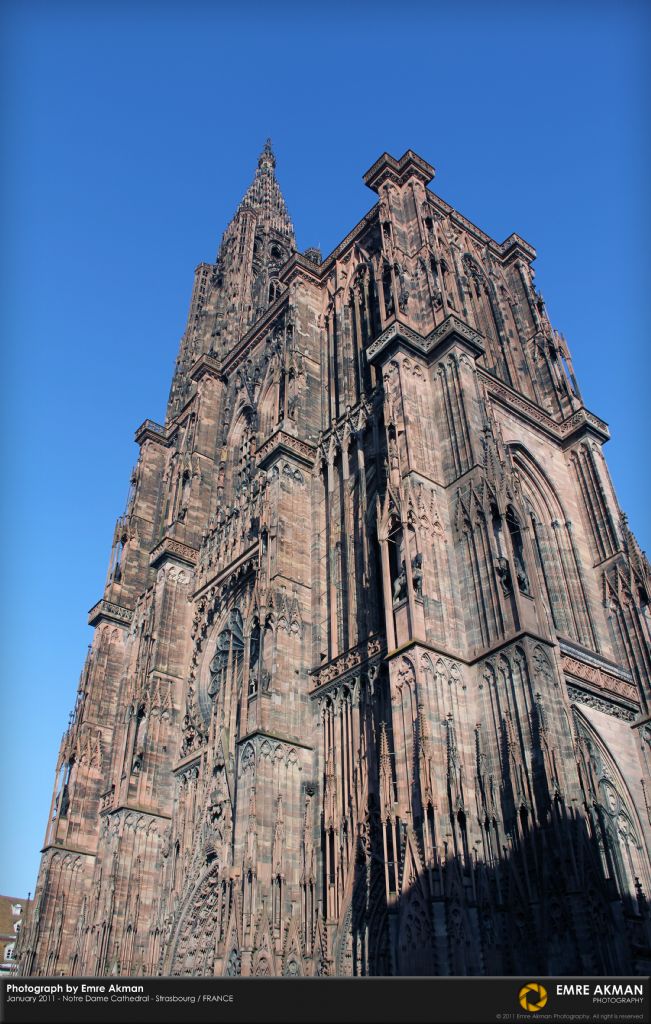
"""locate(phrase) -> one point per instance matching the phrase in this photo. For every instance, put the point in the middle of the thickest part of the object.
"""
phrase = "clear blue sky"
(130, 132)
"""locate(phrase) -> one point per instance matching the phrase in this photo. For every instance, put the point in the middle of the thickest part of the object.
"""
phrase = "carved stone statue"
(393, 454)
(504, 573)
(417, 574)
(521, 574)
(400, 584)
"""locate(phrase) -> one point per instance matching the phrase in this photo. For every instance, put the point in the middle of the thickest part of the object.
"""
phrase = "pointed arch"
(488, 317)
(240, 446)
(293, 954)
(618, 829)
(269, 397)
(415, 953)
(223, 665)
(556, 556)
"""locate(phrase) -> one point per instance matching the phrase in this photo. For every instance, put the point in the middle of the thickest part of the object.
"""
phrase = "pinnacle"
(267, 160)
(264, 196)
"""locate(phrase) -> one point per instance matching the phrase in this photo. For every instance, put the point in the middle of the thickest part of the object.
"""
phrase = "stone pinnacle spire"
(267, 158)
(265, 199)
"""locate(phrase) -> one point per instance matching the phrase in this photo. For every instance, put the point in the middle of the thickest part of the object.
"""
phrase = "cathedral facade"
(369, 686)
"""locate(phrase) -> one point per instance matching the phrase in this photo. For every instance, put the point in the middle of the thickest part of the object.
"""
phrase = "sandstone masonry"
(369, 688)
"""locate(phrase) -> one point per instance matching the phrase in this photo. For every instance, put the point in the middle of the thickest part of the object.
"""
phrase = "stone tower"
(369, 686)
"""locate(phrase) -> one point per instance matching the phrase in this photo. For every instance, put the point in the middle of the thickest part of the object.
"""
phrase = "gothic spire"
(264, 198)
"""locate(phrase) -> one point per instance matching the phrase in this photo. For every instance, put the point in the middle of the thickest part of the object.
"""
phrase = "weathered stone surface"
(369, 686)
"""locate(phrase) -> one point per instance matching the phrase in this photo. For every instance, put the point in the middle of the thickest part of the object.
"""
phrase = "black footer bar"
(554, 1000)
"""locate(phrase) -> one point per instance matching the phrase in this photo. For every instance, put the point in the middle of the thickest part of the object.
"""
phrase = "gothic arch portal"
(618, 829)
(192, 945)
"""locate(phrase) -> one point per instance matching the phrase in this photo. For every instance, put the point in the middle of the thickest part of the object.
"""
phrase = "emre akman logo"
(604, 992)
(533, 997)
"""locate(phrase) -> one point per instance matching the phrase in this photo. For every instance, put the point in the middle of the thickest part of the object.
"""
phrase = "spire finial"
(267, 159)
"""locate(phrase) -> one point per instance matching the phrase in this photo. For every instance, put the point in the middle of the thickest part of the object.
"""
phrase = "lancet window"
(241, 443)
(254, 659)
(227, 664)
(62, 800)
(517, 547)
(555, 555)
(487, 315)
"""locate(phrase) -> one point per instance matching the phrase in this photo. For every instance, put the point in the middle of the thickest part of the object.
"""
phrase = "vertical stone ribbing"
(367, 689)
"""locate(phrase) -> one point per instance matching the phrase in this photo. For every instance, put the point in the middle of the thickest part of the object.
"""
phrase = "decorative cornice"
(173, 550)
(580, 653)
(521, 636)
(434, 345)
(418, 644)
(591, 700)
(205, 365)
(138, 809)
(107, 801)
(149, 430)
(265, 734)
(65, 848)
(396, 331)
(110, 612)
(599, 679)
(566, 432)
(514, 244)
(387, 168)
(299, 265)
(191, 760)
(246, 562)
(348, 663)
(580, 423)
(287, 444)
(514, 401)
(452, 330)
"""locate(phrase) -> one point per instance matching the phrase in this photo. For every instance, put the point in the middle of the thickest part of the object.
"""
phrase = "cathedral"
(369, 686)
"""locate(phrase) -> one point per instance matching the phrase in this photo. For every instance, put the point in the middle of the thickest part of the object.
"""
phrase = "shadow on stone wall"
(543, 907)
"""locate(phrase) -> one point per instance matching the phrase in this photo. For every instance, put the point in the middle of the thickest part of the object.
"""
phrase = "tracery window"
(234, 965)
(227, 663)
(240, 463)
